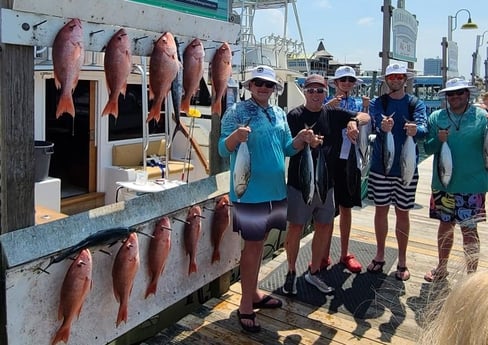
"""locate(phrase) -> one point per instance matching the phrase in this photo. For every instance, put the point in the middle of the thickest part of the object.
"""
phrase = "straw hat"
(458, 84)
(264, 73)
(396, 69)
(344, 71)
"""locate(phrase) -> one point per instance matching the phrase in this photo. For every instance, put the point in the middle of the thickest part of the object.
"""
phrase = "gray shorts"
(254, 221)
(300, 213)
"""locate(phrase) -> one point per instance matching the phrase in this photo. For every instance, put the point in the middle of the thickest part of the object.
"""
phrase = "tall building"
(432, 66)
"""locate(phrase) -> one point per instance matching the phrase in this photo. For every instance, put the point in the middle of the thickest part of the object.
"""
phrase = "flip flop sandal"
(248, 328)
(434, 275)
(265, 303)
(405, 271)
(377, 267)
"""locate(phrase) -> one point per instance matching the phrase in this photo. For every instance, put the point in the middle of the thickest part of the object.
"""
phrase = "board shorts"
(300, 213)
(465, 209)
(254, 221)
(390, 190)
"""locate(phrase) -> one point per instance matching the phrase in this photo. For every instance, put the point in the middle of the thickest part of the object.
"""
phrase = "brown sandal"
(404, 271)
(375, 266)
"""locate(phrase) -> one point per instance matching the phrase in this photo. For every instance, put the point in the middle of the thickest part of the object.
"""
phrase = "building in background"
(432, 66)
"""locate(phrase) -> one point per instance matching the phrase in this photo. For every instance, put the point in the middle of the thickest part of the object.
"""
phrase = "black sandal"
(252, 329)
(403, 270)
(265, 303)
(377, 267)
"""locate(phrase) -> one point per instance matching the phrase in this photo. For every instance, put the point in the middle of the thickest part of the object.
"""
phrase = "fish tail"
(192, 268)
(215, 255)
(112, 108)
(151, 288)
(154, 113)
(62, 334)
(185, 104)
(122, 314)
(65, 105)
(216, 107)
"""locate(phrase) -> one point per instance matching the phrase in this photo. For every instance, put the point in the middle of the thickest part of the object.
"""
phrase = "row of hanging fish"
(77, 282)
(165, 68)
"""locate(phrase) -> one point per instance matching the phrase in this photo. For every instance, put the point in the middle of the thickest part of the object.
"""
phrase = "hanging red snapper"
(124, 271)
(192, 235)
(117, 64)
(163, 68)
(158, 252)
(68, 55)
(76, 285)
(220, 223)
(221, 72)
(193, 63)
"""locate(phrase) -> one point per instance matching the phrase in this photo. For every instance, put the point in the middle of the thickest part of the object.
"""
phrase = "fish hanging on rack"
(68, 56)
(158, 253)
(117, 64)
(221, 69)
(126, 265)
(220, 223)
(163, 69)
(193, 228)
(76, 285)
(193, 63)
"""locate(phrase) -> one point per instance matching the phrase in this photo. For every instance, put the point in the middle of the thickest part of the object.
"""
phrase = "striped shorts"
(389, 190)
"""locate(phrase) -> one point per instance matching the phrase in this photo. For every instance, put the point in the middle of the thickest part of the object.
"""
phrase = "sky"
(352, 29)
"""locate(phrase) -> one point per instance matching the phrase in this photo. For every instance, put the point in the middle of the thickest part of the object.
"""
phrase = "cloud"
(323, 4)
(366, 21)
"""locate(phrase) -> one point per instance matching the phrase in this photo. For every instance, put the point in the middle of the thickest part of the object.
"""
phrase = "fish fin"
(62, 334)
(65, 105)
(215, 255)
(57, 83)
(123, 89)
(122, 314)
(111, 108)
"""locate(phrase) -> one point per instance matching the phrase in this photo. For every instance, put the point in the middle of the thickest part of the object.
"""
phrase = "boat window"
(128, 124)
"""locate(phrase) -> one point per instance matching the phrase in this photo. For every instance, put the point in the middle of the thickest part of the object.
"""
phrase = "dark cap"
(315, 79)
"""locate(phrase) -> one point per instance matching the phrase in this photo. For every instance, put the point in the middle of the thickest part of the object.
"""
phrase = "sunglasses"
(260, 82)
(395, 77)
(314, 90)
(457, 93)
(349, 79)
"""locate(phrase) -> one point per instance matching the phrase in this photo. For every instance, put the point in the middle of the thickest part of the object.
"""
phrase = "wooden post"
(16, 148)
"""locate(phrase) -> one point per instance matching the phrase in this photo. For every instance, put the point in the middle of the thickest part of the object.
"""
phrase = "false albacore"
(408, 160)
(388, 149)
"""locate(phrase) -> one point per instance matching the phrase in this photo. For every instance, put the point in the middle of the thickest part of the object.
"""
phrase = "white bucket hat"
(344, 71)
(396, 69)
(458, 84)
(264, 73)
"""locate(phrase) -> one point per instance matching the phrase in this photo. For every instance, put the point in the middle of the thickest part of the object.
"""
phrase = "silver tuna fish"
(321, 176)
(363, 140)
(242, 170)
(388, 149)
(444, 164)
(306, 175)
(408, 160)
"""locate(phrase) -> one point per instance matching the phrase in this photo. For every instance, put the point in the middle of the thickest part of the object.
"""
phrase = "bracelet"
(355, 119)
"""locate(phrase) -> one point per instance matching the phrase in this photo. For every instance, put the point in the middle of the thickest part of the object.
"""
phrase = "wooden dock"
(400, 306)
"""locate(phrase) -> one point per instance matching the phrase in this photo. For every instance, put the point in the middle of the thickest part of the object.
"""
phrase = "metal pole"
(444, 61)
(385, 54)
(475, 60)
(486, 70)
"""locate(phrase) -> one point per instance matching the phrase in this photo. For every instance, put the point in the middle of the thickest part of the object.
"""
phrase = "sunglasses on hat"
(456, 92)
(261, 82)
(349, 79)
(314, 90)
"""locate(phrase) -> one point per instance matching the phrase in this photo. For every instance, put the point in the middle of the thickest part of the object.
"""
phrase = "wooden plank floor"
(400, 305)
